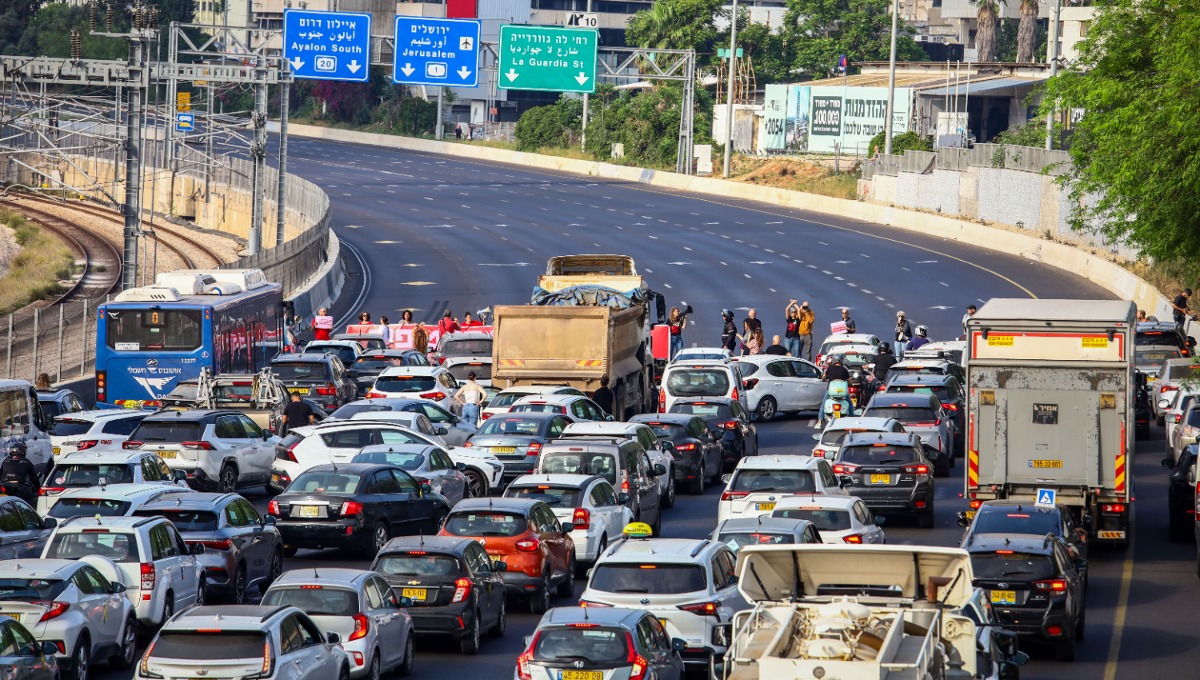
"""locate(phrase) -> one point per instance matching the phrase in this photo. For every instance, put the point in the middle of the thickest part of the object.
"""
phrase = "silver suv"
(623, 462)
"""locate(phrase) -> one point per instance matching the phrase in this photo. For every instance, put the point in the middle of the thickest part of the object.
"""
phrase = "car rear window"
(511, 425)
(877, 455)
(375, 364)
(346, 354)
(538, 408)
(938, 391)
(905, 414)
(666, 430)
(698, 382)
(555, 496)
(195, 646)
(419, 563)
(465, 348)
(89, 474)
(594, 647)
(580, 463)
(300, 370)
(115, 546)
(89, 507)
(325, 482)
(482, 371)
(785, 481)
(1156, 338)
(184, 520)
(824, 519)
(408, 461)
(469, 523)
(318, 601)
(833, 437)
(1011, 565)
(167, 431)
(1015, 521)
(653, 579)
(30, 589)
(405, 383)
(737, 539)
(350, 410)
(707, 410)
(69, 427)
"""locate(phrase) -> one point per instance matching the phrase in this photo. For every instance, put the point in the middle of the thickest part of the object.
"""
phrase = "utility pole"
(729, 89)
(258, 154)
(285, 84)
(891, 98)
(1052, 55)
(583, 130)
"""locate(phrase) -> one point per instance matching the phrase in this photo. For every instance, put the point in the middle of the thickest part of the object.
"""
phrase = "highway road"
(432, 233)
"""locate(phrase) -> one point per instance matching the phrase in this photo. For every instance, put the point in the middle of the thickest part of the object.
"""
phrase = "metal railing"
(1006, 156)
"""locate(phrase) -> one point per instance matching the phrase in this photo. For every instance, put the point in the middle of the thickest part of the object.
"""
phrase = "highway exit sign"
(548, 58)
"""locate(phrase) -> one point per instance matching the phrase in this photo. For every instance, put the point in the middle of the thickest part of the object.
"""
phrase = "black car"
(889, 471)
(321, 377)
(356, 505)
(947, 389)
(1143, 414)
(1017, 518)
(370, 364)
(517, 439)
(1034, 586)
(1181, 494)
(22, 533)
(1163, 334)
(697, 450)
(724, 416)
(453, 587)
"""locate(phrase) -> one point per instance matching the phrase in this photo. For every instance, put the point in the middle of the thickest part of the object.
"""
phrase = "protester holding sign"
(322, 324)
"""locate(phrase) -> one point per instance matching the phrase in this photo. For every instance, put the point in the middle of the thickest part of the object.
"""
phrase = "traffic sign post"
(327, 45)
(1046, 498)
(185, 122)
(438, 52)
(547, 59)
(183, 102)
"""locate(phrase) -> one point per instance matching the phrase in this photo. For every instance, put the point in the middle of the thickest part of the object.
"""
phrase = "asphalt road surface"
(430, 233)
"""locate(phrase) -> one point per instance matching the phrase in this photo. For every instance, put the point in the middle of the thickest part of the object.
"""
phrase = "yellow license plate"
(166, 454)
(764, 506)
(881, 479)
(1045, 464)
(57, 450)
(582, 675)
(308, 511)
(970, 515)
(298, 390)
(14, 617)
(413, 593)
(1004, 597)
(504, 449)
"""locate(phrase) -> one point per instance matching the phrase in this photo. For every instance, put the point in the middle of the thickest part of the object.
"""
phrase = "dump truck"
(589, 316)
(1050, 408)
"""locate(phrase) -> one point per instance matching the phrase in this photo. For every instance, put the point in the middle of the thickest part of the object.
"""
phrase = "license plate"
(1045, 463)
(970, 515)
(1004, 597)
(881, 479)
(413, 593)
(298, 390)
(166, 454)
(57, 450)
(14, 617)
(764, 506)
(308, 511)
(582, 675)
(504, 449)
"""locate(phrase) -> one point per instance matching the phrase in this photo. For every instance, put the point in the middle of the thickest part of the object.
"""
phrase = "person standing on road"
(904, 333)
(364, 318)
(920, 340)
(729, 335)
(296, 414)
(469, 321)
(807, 319)
(971, 309)
(747, 332)
(676, 322)
(1180, 307)
(19, 476)
(850, 326)
(776, 348)
(387, 331)
(447, 325)
(603, 396)
(883, 363)
(322, 324)
(421, 339)
(752, 319)
(471, 395)
(791, 333)
(406, 317)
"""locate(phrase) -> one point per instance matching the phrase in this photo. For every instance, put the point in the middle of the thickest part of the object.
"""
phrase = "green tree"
(675, 25)
(51, 31)
(556, 125)
(1134, 175)
(14, 20)
(900, 143)
(817, 31)
(766, 49)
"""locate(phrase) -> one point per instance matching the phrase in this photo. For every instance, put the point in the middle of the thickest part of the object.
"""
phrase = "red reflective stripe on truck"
(972, 455)
(1120, 472)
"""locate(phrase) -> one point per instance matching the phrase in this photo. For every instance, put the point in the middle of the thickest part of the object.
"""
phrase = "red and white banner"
(402, 334)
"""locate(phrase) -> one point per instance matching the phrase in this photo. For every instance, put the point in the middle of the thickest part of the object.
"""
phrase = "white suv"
(759, 482)
(84, 469)
(642, 434)
(249, 641)
(688, 584)
(694, 379)
(88, 429)
(110, 500)
(431, 383)
(160, 572)
(218, 450)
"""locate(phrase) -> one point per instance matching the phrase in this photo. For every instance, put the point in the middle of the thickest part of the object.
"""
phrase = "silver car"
(426, 464)
(24, 658)
(609, 643)
(360, 607)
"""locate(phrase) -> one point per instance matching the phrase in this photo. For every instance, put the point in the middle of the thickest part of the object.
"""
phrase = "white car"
(346, 350)
(110, 500)
(88, 429)
(1180, 402)
(642, 434)
(431, 383)
(425, 463)
(840, 519)
(758, 483)
(573, 406)
(776, 384)
(69, 603)
(1171, 379)
(461, 367)
(508, 396)
(587, 503)
(689, 354)
(160, 571)
(457, 430)
(699, 379)
(951, 350)
(829, 441)
(84, 469)
(840, 342)
(218, 450)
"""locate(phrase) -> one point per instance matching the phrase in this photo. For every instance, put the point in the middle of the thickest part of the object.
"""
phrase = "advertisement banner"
(797, 118)
(854, 122)
(773, 137)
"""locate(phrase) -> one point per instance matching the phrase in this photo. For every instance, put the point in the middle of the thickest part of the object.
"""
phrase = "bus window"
(143, 330)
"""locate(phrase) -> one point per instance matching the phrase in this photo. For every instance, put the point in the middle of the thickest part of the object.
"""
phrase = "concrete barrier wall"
(884, 189)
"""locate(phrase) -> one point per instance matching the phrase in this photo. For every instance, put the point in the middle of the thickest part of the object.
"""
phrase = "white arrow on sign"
(407, 70)
(512, 74)
(463, 72)
(581, 78)
(297, 64)
(354, 66)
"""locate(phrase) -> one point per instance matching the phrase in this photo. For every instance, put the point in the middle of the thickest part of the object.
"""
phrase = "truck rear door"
(1053, 435)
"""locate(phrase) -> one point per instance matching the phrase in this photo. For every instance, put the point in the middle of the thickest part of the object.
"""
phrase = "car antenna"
(315, 574)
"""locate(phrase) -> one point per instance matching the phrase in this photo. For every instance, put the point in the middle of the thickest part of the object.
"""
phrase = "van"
(696, 379)
(623, 462)
(22, 419)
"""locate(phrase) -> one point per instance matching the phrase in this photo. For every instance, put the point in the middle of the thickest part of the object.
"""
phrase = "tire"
(767, 409)
(289, 551)
(227, 482)
(201, 593)
(600, 548)
(925, 519)
(405, 668)
(272, 491)
(379, 538)
(81, 659)
(374, 672)
(696, 486)
(567, 587)
(476, 483)
(657, 526)
(942, 467)
(237, 593)
(344, 673)
(168, 609)
(539, 601)
(669, 501)
(128, 655)
(275, 572)
(469, 644)
(1080, 625)
(501, 621)
(1065, 651)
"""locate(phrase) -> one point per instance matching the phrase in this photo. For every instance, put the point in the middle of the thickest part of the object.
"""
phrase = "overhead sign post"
(438, 52)
(327, 45)
(547, 59)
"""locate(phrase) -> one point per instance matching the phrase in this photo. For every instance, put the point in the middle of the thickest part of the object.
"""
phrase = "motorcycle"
(837, 402)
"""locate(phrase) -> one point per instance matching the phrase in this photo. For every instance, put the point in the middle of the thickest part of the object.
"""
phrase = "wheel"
(696, 486)
(767, 408)
(476, 483)
(718, 470)
(925, 519)
(168, 608)
(201, 593)
(238, 593)
(289, 551)
(227, 481)
(942, 467)
(567, 587)
(539, 601)
(582, 569)
(379, 538)
(81, 659)
(1080, 625)
(124, 659)
(1065, 650)
(501, 621)
(657, 526)
(469, 644)
(344, 674)
(669, 500)
(374, 672)
(275, 573)
(406, 664)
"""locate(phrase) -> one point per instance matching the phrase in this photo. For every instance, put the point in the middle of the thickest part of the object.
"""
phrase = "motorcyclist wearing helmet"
(18, 476)
(838, 378)
(837, 369)
(920, 339)
(883, 363)
(729, 335)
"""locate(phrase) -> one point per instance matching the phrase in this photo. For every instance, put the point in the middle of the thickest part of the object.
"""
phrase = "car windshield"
(470, 523)
(877, 455)
(168, 431)
(114, 546)
(505, 399)
(241, 390)
(325, 482)
(300, 371)
(482, 371)
(652, 579)
(89, 507)
(370, 364)
(346, 354)
(419, 564)
(737, 539)
(1012, 565)
(148, 330)
(705, 409)
(408, 461)
(555, 496)
(905, 414)
(784, 481)
(666, 431)
(824, 519)
(479, 347)
(405, 383)
(698, 382)
(511, 425)
(30, 589)
(89, 474)
(198, 646)
(593, 647)
(318, 601)
(1002, 520)
(69, 427)
(580, 463)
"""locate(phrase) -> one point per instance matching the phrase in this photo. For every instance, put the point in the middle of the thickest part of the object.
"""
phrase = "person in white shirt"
(471, 395)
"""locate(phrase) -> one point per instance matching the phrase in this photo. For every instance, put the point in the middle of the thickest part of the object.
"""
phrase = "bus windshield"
(148, 330)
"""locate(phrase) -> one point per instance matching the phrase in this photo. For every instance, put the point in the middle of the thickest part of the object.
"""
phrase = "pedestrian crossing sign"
(1046, 498)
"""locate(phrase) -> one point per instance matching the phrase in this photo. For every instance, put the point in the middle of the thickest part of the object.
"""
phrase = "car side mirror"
(425, 488)
(499, 565)
(403, 603)
(817, 437)
(678, 645)
(442, 429)
(333, 639)
(49, 523)
(845, 481)
(666, 447)
(659, 469)
(1167, 462)
(608, 417)
(267, 434)
(963, 521)
(179, 475)
(725, 478)
(879, 521)
(1164, 403)
(195, 548)
(623, 498)
(269, 521)
(48, 648)
(462, 467)
(116, 587)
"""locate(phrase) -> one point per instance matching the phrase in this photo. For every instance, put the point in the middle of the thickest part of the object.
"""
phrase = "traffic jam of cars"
(159, 535)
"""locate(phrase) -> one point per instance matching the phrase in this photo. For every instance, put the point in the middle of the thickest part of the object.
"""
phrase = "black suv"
(1034, 586)
(1017, 518)
(697, 450)
(947, 388)
(453, 587)
(726, 417)
(1181, 494)
(321, 377)
(888, 471)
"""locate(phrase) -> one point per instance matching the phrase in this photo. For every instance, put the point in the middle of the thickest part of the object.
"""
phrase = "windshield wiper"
(631, 590)
(1014, 573)
(571, 657)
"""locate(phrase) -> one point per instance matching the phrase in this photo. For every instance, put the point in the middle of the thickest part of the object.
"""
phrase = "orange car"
(536, 550)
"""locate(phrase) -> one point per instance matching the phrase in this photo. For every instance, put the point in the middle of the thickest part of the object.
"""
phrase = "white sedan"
(779, 384)
(587, 503)
(840, 519)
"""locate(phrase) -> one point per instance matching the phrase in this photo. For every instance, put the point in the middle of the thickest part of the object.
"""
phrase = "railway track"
(101, 259)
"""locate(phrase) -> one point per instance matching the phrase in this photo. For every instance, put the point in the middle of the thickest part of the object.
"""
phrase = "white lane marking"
(941, 307)
(667, 285)
(687, 249)
(852, 284)
(838, 278)
(878, 297)
(772, 290)
(823, 243)
(723, 264)
(386, 243)
(679, 264)
(865, 255)
(926, 261)
(712, 223)
(868, 292)
(652, 236)
(504, 264)
(362, 294)
(649, 271)
(826, 272)
(906, 269)
(778, 222)
(353, 226)
(769, 250)
(746, 275)
(760, 262)
(842, 262)
(944, 284)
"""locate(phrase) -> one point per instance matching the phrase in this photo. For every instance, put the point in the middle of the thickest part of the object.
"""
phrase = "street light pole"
(729, 92)
(891, 98)
(1052, 54)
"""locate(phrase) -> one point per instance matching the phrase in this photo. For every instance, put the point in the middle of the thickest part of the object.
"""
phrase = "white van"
(21, 419)
(702, 378)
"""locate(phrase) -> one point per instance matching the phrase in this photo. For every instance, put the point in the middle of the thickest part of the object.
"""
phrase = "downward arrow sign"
(407, 70)
(512, 74)
(463, 72)
(581, 78)
(354, 66)
(297, 64)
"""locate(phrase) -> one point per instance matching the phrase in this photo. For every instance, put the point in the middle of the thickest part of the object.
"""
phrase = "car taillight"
(197, 446)
(585, 603)
(53, 610)
(527, 656)
(288, 453)
(686, 447)
(1113, 507)
(225, 544)
(434, 396)
(749, 383)
(148, 575)
(917, 469)
(535, 448)
(51, 490)
(462, 589)
(351, 508)
(734, 396)
(375, 395)
(485, 415)
(273, 508)
(467, 445)
(731, 495)
(328, 390)
(362, 626)
(86, 444)
(701, 608)
(625, 484)
(1055, 585)
(950, 407)
(145, 665)
(853, 538)
(730, 424)
(582, 518)
(844, 468)
(638, 664)
(976, 504)
(662, 400)
(131, 445)
(528, 545)
(1167, 388)
(837, 407)
(1178, 417)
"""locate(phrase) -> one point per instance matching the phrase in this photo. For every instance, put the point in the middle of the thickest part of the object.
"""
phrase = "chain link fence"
(59, 341)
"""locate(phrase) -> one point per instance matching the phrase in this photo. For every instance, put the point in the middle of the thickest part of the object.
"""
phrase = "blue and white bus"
(150, 339)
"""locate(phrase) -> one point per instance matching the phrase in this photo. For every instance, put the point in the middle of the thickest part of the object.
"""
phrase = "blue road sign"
(1046, 498)
(185, 122)
(441, 52)
(327, 45)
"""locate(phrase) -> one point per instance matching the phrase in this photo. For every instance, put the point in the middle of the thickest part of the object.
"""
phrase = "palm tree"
(986, 16)
(1027, 31)
(658, 27)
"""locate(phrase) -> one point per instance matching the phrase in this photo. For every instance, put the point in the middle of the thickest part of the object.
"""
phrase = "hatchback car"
(111, 500)
(516, 439)
(443, 424)
(573, 406)
(728, 418)
(462, 367)
(839, 342)
(696, 450)
(322, 377)
(355, 505)
(585, 503)
(23, 656)
(830, 440)
(463, 344)
(777, 384)
(427, 464)
(840, 519)
(927, 366)
(505, 398)
(609, 644)
(698, 380)
(1017, 518)
(242, 549)
(431, 383)
(1035, 587)
(622, 462)
(688, 354)
(923, 415)
(452, 586)
(649, 442)
(527, 537)
(216, 450)
(759, 482)
(1171, 378)
(22, 533)
(361, 608)
(84, 469)
(88, 429)
(371, 363)
(889, 472)
(254, 641)
(765, 530)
